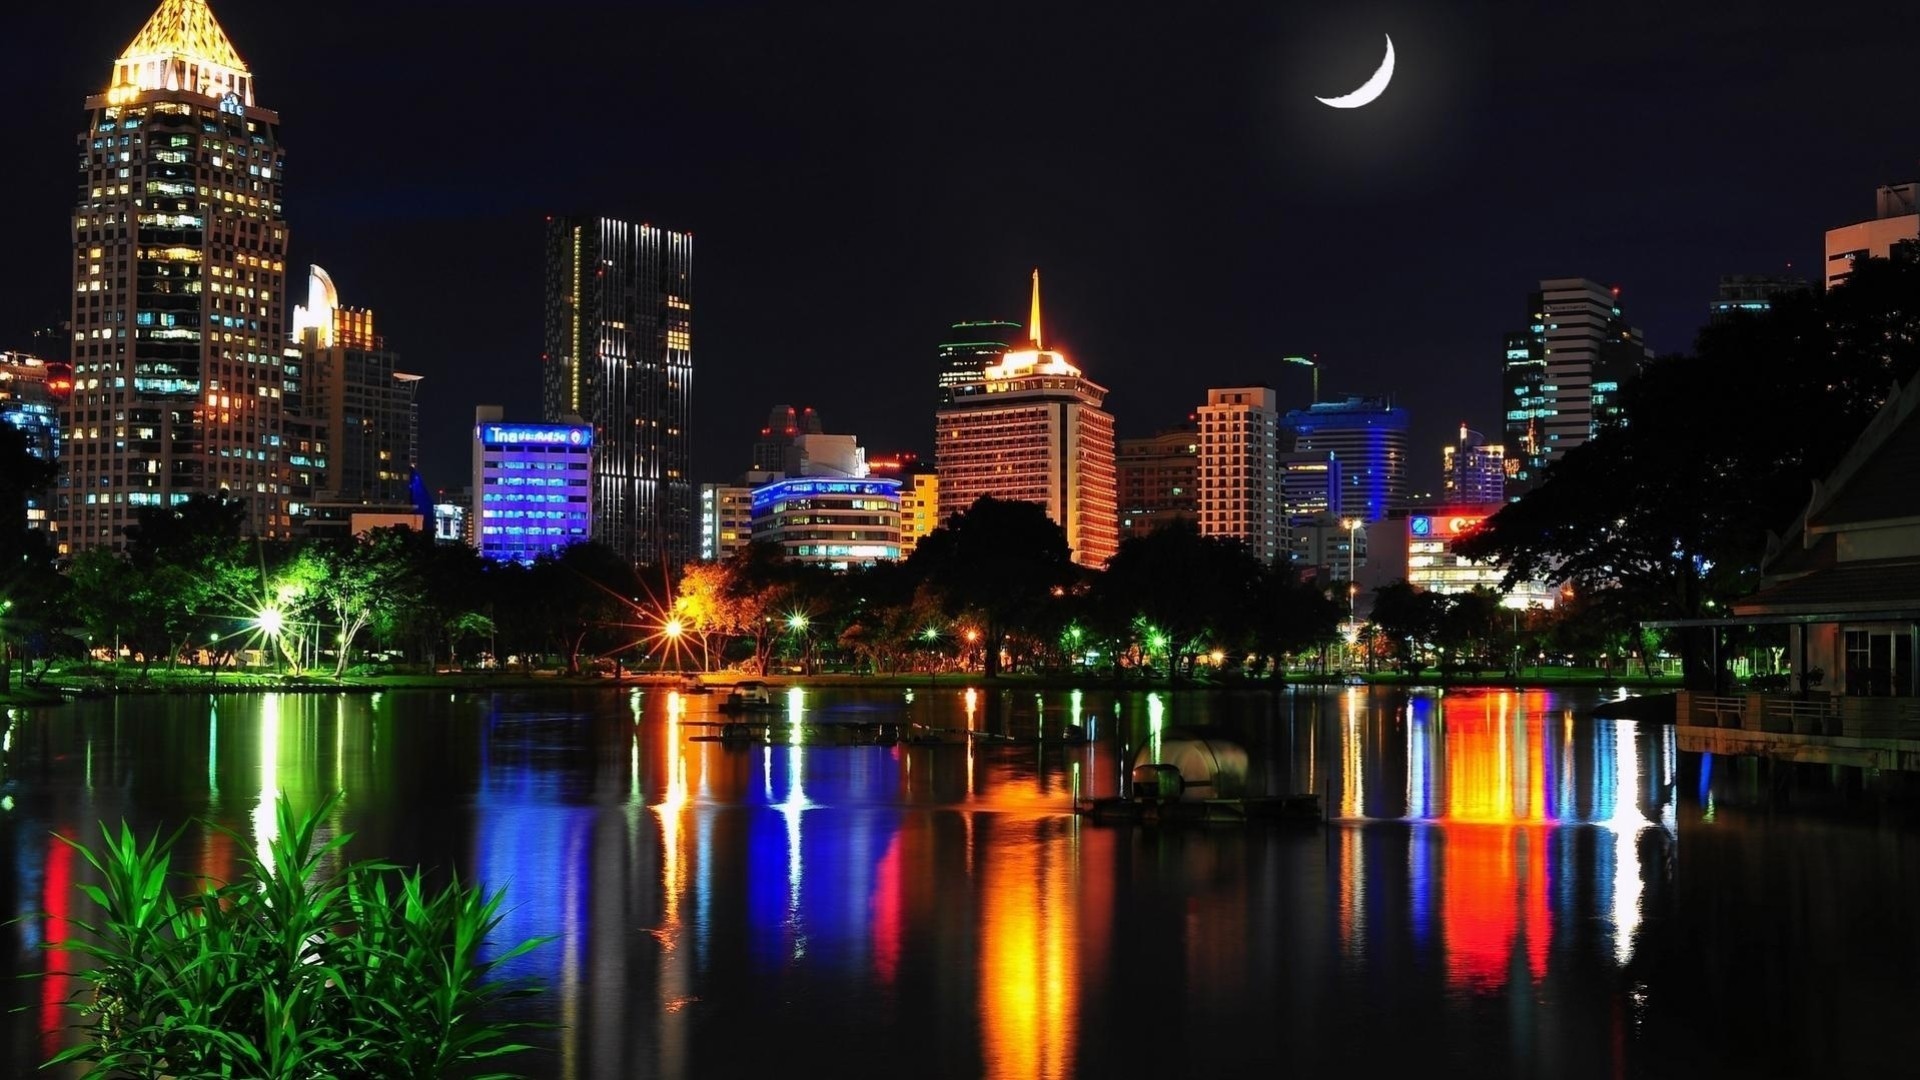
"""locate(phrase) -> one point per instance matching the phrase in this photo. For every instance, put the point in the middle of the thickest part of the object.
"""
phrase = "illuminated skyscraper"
(1564, 374)
(1895, 225)
(1472, 471)
(1240, 470)
(179, 301)
(359, 401)
(970, 349)
(619, 355)
(1031, 429)
(31, 390)
(1367, 436)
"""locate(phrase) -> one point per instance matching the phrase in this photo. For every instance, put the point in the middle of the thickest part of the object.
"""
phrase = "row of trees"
(995, 587)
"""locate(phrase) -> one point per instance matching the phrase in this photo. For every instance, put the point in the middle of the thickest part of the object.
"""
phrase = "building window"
(1880, 663)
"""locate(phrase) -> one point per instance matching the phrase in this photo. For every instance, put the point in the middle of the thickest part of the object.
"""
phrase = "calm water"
(1506, 888)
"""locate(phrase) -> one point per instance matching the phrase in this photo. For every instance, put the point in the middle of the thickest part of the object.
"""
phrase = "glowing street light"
(270, 621)
(931, 633)
(797, 622)
(673, 629)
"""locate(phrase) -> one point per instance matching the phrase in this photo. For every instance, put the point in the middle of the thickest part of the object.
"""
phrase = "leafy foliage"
(292, 972)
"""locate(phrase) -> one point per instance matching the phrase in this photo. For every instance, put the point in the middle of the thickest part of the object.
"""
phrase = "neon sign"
(536, 434)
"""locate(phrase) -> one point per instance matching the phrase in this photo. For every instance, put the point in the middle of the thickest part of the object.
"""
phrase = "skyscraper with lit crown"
(179, 300)
(1031, 429)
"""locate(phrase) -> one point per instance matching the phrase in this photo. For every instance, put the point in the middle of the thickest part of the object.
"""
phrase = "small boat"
(1355, 680)
(750, 696)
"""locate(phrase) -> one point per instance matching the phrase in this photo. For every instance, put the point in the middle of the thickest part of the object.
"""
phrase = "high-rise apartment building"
(179, 291)
(1159, 479)
(619, 356)
(1472, 471)
(1032, 429)
(1895, 224)
(970, 349)
(1368, 437)
(836, 523)
(351, 389)
(1564, 373)
(1240, 470)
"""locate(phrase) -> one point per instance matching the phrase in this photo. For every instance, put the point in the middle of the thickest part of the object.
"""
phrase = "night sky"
(859, 175)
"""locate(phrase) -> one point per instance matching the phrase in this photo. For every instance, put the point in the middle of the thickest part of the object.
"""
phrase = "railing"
(1812, 716)
(1707, 710)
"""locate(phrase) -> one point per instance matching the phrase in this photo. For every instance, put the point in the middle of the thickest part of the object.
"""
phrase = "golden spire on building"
(1033, 321)
(181, 48)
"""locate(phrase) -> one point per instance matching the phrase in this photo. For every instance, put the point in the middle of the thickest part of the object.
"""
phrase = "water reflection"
(1499, 872)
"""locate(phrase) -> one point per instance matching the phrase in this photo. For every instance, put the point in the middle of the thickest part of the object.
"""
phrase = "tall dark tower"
(179, 301)
(619, 357)
(1563, 375)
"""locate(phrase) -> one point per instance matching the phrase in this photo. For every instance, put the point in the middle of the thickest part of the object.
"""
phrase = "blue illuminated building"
(532, 487)
(830, 522)
(1368, 437)
(30, 392)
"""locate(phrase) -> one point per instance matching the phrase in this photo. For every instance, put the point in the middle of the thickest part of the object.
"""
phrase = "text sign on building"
(535, 435)
(1430, 526)
(803, 489)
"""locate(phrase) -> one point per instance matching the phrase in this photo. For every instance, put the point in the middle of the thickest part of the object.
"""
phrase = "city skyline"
(1287, 229)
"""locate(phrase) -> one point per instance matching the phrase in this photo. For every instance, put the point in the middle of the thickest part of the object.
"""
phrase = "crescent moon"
(1370, 89)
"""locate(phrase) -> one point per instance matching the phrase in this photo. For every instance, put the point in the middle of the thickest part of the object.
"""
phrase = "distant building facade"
(919, 509)
(351, 389)
(1240, 473)
(1750, 294)
(1158, 479)
(726, 520)
(31, 393)
(533, 486)
(1472, 471)
(1433, 565)
(1368, 436)
(1895, 224)
(1564, 373)
(837, 523)
(785, 423)
(619, 358)
(1032, 430)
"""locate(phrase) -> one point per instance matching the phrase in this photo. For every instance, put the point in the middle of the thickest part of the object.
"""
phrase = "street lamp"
(1352, 525)
(270, 621)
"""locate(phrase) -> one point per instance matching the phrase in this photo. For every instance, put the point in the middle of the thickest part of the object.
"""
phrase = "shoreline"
(67, 686)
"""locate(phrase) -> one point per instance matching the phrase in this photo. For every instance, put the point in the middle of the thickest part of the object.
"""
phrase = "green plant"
(290, 972)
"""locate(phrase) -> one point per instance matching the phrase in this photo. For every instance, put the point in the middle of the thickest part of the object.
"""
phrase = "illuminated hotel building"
(1032, 430)
(1158, 479)
(1564, 373)
(532, 486)
(1368, 436)
(360, 403)
(1895, 224)
(970, 349)
(830, 521)
(1472, 471)
(179, 298)
(1432, 564)
(726, 520)
(31, 391)
(619, 355)
(1240, 470)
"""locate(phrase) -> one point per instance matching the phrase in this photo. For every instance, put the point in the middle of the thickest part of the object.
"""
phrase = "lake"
(1504, 887)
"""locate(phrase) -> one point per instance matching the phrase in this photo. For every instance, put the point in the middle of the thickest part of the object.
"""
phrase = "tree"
(192, 574)
(361, 579)
(999, 559)
(1407, 617)
(1187, 589)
